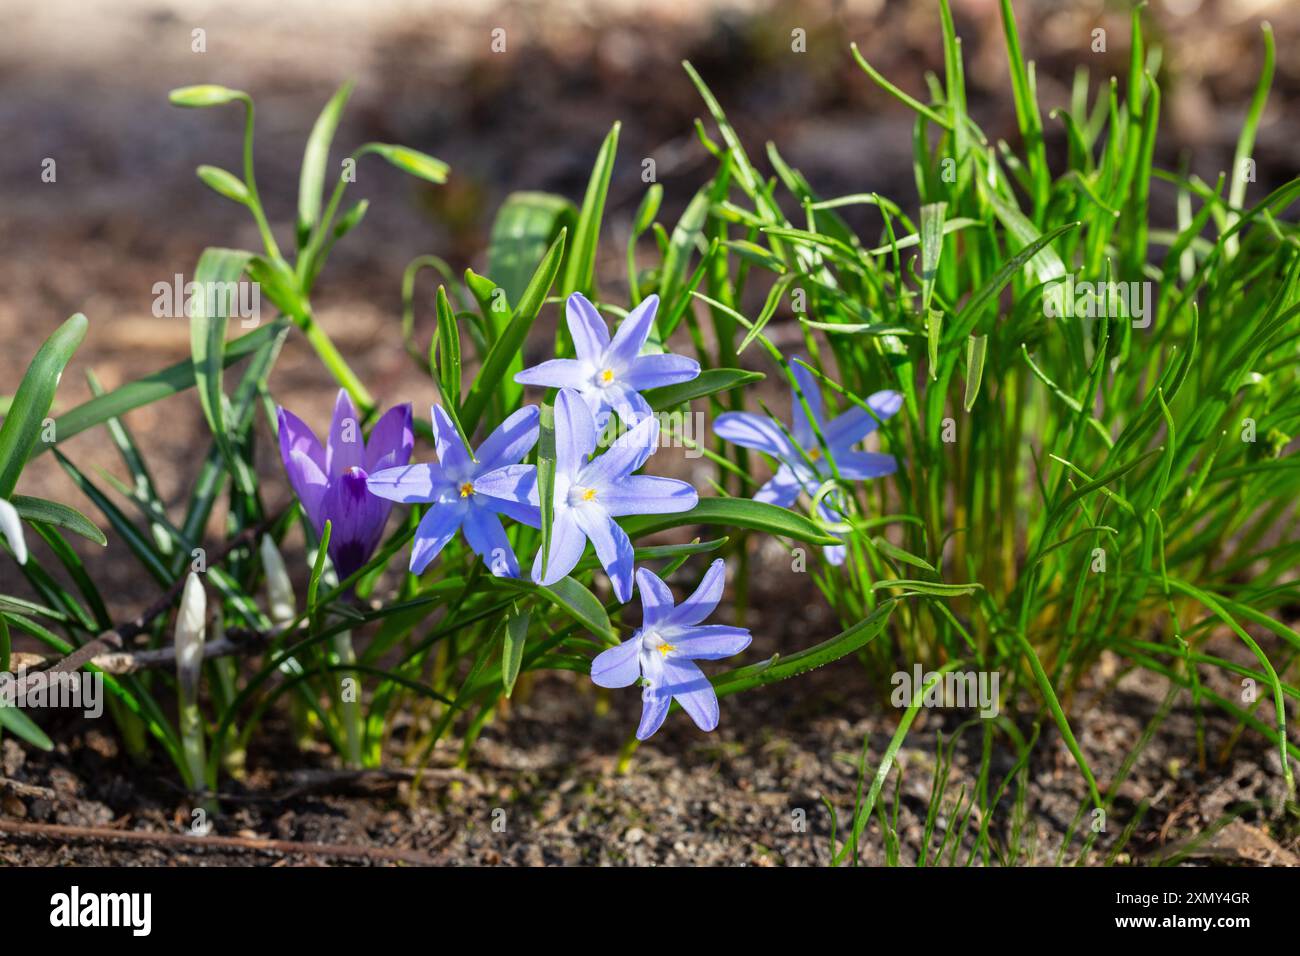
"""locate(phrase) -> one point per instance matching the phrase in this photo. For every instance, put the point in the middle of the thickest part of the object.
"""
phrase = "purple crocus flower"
(808, 470)
(664, 651)
(610, 374)
(590, 494)
(331, 481)
(456, 487)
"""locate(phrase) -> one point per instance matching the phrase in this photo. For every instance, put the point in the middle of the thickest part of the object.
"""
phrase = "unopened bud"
(279, 590)
(11, 526)
(191, 622)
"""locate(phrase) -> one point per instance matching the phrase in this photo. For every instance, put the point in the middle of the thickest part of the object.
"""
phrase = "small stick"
(186, 841)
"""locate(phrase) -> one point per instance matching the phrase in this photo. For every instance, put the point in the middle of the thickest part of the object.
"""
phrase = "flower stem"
(349, 701)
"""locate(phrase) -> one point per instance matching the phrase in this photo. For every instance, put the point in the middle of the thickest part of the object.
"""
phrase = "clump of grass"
(1078, 474)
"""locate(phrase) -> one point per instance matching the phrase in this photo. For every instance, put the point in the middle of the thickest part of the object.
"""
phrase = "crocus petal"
(632, 333)
(628, 453)
(511, 440)
(782, 488)
(510, 490)
(309, 484)
(488, 540)
(647, 495)
(590, 336)
(706, 597)
(686, 682)
(391, 441)
(712, 642)
(656, 599)
(863, 465)
(557, 373)
(453, 456)
(856, 424)
(11, 528)
(345, 447)
(613, 547)
(357, 518)
(409, 484)
(575, 432)
(656, 371)
(799, 425)
(567, 544)
(654, 708)
(296, 436)
(753, 431)
(438, 526)
(619, 666)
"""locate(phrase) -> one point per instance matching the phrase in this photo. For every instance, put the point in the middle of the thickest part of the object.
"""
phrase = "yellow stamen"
(607, 376)
(814, 454)
(466, 489)
(665, 648)
(589, 494)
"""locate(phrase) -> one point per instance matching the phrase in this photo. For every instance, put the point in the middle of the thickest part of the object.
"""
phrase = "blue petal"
(556, 373)
(686, 682)
(864, 465)
(619, 666)
(575, 433)
(753, 431)
(654, 708)
(632, 333)
(712, 642)
(656, 599)
(856, 424)
(438, 526)
(628, 453)
(488, 540)
(567, 544)
(799, 425)
(647, 495)
(613, 547)
(656, 371)
(706, 597)
(782, 488)
(510, 441)
(510, 490)
(590, 336)
(453, 456)
(410, 484)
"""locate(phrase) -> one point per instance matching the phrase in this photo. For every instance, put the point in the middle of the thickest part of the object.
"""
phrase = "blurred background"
(85, 82)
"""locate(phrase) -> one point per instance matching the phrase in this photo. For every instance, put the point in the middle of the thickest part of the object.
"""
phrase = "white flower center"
(578, 495)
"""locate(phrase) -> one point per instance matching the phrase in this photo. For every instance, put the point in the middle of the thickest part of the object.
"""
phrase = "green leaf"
(318, 566)
(580, 604)
(546, 476)
(976, 348)
(224, 183)
(315, 157)
(898, 554)
(510, 344)
(580, 269)
(59, 515)
(217, 272)
(932, 217)
(709, 382)
(206, 94)
(446, 364)
(13, 719)
(525, 226)
(411, 161)
(153, 387)
(933, 588)
(31, 403)
(512, 649)
(734, 513)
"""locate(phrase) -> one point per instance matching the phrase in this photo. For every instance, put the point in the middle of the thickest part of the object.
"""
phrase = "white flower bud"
(11, 526)
(191, 622)
(279, 590)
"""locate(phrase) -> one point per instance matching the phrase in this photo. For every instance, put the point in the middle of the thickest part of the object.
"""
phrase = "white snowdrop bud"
(279, 590)
(11, 526)
(190, 633)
